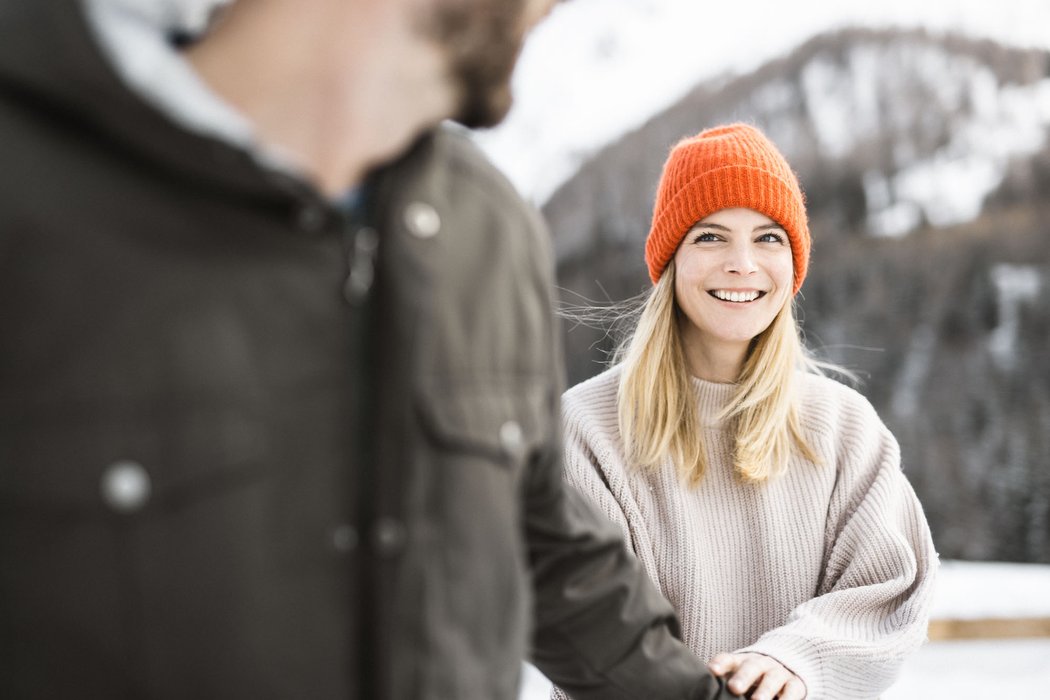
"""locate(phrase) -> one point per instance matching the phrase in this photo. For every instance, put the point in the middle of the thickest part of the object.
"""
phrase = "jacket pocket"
(501, 421)
(481, 438)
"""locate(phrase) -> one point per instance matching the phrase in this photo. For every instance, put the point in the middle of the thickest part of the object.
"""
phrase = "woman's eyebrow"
(720, 227)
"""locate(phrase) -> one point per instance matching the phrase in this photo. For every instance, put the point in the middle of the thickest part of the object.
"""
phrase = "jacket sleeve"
(582, 473)
(872, 606)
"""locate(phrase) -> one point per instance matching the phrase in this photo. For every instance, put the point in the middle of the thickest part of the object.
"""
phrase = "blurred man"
(278, 380)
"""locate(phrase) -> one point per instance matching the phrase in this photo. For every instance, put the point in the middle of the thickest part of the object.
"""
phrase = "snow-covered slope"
(598, 68)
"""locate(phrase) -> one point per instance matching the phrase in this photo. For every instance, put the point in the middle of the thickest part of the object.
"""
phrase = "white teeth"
(735, 296)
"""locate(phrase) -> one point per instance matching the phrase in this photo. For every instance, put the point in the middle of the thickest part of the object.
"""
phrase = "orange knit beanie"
(720, 168)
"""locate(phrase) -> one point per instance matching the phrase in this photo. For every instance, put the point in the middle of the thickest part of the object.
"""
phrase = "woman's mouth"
(737, 297)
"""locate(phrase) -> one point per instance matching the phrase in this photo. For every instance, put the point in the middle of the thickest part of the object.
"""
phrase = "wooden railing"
(990, 628)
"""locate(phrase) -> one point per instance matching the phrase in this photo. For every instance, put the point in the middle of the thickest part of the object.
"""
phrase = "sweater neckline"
(712, 397)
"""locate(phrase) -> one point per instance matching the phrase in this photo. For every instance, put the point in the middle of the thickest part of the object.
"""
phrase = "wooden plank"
(990, 628)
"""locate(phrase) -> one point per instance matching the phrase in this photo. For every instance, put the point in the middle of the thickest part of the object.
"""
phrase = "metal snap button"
(422, 220)
(126, 486)
(389, 536)
(511, 439)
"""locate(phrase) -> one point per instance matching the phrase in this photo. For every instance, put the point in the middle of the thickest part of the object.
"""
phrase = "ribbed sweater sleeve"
(829, 569)
(873, 601)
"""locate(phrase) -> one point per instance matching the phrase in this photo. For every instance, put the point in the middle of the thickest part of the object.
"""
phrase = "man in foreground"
(278, 379)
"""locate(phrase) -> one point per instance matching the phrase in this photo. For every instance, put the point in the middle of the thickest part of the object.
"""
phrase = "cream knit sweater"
(828, 568)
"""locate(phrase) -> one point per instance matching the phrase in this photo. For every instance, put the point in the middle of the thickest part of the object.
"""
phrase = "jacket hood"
(189, 17)
(54, 63)
(139, 37)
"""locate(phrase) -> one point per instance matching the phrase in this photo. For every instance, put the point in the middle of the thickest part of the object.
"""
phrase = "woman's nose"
(740, 260)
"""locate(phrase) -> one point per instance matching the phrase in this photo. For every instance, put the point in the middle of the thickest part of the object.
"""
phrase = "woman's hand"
(766, 677)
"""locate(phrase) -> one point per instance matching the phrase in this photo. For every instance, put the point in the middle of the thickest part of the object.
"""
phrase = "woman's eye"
(705, 237)
(771, 237)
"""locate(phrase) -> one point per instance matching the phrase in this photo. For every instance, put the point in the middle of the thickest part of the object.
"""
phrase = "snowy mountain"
(943, 122)
(892, 133)
(888, 130)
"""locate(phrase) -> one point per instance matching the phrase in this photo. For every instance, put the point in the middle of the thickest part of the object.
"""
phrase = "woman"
(766, 501)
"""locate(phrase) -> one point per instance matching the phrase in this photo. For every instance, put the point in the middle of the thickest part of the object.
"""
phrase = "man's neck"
(337, 87)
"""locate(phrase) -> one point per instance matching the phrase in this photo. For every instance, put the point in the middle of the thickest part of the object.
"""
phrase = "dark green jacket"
(244, 454)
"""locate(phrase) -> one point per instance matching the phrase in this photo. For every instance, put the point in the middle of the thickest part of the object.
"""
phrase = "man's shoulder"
(446, 166)
(454, 143)
(450, 150)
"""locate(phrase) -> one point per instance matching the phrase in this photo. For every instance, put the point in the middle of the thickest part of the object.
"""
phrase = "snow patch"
(974, 590)
(965, 670)
(995, 125)
(914, 369)
(828, 103)
(948, 190)
(1014, 285)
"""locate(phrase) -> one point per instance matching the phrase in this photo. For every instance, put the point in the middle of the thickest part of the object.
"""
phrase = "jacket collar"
(138, 39)
(53, 65)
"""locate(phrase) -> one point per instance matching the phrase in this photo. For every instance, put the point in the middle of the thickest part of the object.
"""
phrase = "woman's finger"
(748, 673)
(794, 689)
(771, 683)
(722, 664)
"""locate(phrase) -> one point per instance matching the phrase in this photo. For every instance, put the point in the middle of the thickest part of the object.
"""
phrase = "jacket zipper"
(361, 245)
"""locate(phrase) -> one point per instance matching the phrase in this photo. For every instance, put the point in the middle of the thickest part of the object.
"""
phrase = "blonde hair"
(657, 403)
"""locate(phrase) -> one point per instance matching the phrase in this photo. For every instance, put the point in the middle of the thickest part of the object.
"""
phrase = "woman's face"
(733, 274)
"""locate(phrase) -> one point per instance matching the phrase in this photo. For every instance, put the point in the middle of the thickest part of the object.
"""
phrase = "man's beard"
(482, 39)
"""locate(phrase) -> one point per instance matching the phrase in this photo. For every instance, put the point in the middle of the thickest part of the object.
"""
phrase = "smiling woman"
(765, 499)
(729, 219)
